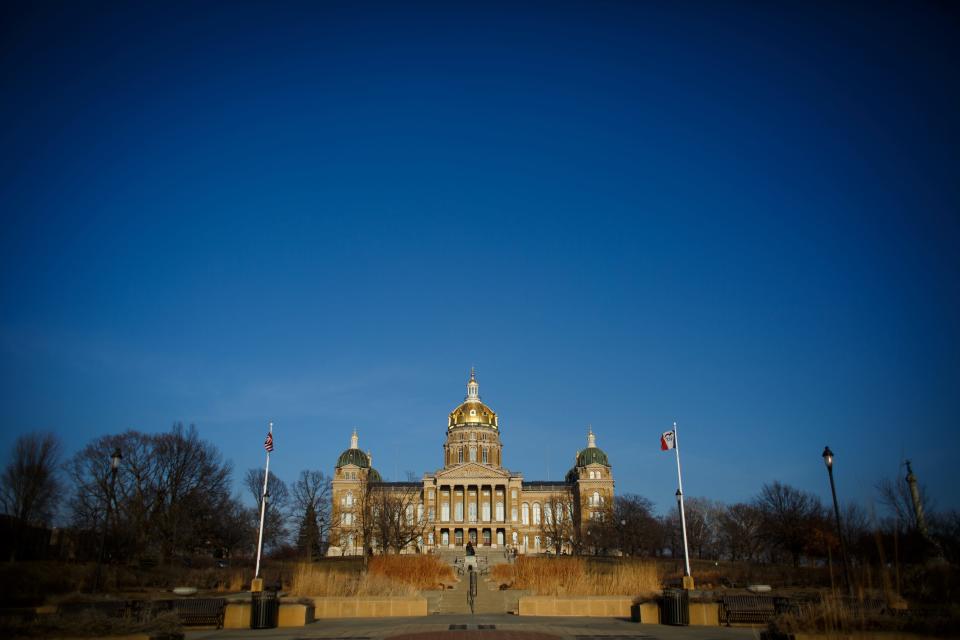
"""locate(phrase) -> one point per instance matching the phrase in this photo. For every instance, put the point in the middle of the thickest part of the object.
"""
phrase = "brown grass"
(421, 572)
(385, 576)
(573, 576)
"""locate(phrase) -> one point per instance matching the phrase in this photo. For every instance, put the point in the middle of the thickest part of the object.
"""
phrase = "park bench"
(746, 609)
(200, 611)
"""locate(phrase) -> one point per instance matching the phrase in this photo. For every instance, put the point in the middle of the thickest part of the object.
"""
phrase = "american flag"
(268, 443)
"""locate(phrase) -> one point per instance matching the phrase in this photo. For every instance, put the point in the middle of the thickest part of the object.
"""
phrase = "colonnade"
(462, 510)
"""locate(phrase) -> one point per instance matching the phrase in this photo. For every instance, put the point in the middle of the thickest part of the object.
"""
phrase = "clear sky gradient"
(742, 217)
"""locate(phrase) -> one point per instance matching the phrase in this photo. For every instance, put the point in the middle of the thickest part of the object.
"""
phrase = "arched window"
(596, 499)
(348, 499)
(536, 513)
(484, 455)
(473, 454)
(460, 454)
(548, 513)
(525, 513)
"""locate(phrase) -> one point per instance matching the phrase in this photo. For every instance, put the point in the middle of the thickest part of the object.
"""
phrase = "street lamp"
(114, 466)
(828, 461)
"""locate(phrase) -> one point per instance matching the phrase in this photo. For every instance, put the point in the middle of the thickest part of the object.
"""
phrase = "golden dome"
(472, 411)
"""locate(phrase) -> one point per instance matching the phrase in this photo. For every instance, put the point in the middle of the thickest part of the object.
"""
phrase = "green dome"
(592, 455)
(353, 456)
(374, 476)
(572, 475)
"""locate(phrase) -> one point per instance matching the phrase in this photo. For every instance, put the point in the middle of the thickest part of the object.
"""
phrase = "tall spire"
(473, 389)
(353, 439)
(591, 439)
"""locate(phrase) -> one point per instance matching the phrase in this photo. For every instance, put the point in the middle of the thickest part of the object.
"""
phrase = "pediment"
(471, 470)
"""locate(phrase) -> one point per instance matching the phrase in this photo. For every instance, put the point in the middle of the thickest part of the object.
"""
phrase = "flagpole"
(683, 518)
(263, 509)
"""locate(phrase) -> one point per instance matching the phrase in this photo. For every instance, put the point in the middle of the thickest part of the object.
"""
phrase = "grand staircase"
(490, 599)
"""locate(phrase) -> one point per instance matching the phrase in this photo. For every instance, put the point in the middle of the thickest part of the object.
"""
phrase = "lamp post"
(114, 466)
(828, 461)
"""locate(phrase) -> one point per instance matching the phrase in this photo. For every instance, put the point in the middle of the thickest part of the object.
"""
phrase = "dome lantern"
(592, 454)
(473, 388)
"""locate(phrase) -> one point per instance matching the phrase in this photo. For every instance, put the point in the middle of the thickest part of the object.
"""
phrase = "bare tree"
(639, 531)
(739, 531)
(393, 516)
(170, 493)
(895, 496)
(275, 531)
(311, 508)
(702, 517)
(556, 523)
(29, 487)
(789, 519)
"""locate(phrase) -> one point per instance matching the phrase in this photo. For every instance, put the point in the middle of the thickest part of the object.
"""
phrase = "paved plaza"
(483, 627)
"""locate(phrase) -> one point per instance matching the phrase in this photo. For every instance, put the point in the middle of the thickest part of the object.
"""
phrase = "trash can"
(264, 609)
(676, 607)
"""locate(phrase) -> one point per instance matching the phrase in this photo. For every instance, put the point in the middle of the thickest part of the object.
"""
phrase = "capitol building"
(472, 497)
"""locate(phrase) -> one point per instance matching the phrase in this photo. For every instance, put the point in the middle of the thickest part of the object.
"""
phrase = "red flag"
(268, 443)
(668, 440)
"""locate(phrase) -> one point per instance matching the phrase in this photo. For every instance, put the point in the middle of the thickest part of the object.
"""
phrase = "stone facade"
(472, 497)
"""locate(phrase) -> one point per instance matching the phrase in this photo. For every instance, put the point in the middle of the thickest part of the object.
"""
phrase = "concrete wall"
(601, 606)
(705, 614)
(367, 607)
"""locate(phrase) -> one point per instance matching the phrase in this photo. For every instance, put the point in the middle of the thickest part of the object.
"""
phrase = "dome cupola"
(592, 454)
(354, 455)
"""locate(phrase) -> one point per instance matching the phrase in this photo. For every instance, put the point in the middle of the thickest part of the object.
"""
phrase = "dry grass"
(573, 576)
(385, 576)
(421, 572)
(833, 616)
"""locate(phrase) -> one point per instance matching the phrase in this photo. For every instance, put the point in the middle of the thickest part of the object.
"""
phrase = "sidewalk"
(482, 627)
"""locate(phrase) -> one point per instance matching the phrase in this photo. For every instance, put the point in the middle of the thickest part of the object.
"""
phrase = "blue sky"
(743, 218)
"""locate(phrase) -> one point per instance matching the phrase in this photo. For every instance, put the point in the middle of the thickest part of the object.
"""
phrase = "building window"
(536, 513)
(458, 537)
(500, 511)
(525, 511)
(347, 519)
(548, 513)
(473, 454)
(484, 455)
(536, 542)
(348, 499)
(445, 512)
(486, 511)
(513, 514)
(419, 513)
(458, 512)
(514, 537)
(472, 511)
(430, 537)
(409, 514)
(431, 514)
(445, 537)
(460, 454)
